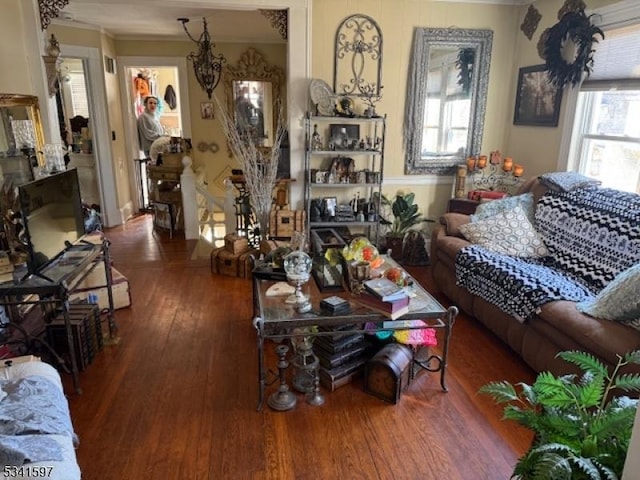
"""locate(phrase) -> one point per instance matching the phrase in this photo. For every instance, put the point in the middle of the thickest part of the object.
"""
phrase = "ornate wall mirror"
(253, 89)
(446, 98)
(21, 137)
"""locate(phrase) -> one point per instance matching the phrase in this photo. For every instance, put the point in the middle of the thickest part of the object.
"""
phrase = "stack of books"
(342, 356)
(6, 268)
(386, 297)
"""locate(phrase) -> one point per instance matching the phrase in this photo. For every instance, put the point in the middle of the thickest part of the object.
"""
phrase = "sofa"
(36, 435)
(574, 233)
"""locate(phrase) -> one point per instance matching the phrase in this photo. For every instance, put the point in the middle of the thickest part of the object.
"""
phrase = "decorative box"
(235, 243)
(388, 373)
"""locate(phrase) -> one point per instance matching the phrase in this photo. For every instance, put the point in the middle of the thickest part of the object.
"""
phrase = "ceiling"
(140, 19)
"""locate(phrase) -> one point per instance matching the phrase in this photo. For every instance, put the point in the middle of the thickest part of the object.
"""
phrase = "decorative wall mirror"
(21, 137)
(446, 98)
(253, 89)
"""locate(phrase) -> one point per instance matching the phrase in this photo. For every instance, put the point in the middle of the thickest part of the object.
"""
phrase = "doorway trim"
(100, 127)
(129, 122)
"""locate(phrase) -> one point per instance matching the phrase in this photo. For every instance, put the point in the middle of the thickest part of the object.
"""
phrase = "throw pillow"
(509, 233)
(567, 181)
(619, 300)
(489, 209)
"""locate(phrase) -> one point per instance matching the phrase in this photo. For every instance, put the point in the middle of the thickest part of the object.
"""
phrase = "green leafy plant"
(405, 214)
(582, 431)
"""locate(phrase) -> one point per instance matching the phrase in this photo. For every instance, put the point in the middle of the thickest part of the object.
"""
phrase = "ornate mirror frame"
(32, 110)
(252, 66)
(425, 41)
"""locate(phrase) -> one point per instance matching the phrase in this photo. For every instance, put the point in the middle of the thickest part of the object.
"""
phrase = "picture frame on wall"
(537, 99)
(206, 110)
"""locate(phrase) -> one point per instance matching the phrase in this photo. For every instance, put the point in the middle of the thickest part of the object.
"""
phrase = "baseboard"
(126, 212)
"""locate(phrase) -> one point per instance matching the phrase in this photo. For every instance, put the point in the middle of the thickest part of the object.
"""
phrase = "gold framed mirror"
(253, 90)
(21, 136)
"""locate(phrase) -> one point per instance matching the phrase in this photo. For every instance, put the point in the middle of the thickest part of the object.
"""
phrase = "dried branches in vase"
(259, 164)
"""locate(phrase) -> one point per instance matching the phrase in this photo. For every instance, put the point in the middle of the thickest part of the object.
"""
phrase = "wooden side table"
(462, 205)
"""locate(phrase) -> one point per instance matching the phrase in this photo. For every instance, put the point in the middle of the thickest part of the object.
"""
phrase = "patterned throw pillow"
(567, 181)
(619, 301)
(508, 232)
(489, 209)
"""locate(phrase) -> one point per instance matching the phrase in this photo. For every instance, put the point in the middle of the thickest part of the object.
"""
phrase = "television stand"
(53, 284)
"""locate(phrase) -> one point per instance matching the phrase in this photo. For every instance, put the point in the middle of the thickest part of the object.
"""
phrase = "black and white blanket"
(517, 286)
(592, 235)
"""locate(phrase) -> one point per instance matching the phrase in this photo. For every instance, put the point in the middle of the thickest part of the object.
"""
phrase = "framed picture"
(344, 136)
(164, 216)
(329, 205)
(206, 110)
(537, 100)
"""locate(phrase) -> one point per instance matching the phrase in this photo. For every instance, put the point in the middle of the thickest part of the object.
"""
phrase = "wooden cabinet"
(164, 187)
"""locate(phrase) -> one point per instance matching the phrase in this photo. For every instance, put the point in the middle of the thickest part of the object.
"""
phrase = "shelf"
(342, 224)
(344, 153)
(342, 185)
(337, 119)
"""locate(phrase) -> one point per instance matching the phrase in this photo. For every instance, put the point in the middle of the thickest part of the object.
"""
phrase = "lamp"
(207, 66)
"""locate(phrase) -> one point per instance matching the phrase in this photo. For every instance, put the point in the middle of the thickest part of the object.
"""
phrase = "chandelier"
(207, 66)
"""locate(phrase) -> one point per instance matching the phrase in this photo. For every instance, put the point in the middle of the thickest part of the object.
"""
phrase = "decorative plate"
(322, 96)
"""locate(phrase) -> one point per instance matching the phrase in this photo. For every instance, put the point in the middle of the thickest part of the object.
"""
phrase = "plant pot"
(395, 245)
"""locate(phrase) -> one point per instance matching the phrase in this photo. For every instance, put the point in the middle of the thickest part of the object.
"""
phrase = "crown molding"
(491, 2)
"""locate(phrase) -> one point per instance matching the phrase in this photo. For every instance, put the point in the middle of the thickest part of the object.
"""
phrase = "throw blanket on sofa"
(517, 286)
(591, 233)
(32, 408)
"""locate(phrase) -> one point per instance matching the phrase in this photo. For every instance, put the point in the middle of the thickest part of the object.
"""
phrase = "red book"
(485, 194)
(392, 310)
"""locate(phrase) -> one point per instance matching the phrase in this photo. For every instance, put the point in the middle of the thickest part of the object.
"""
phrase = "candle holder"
(494, 177)
(283, 399)
(297, 266)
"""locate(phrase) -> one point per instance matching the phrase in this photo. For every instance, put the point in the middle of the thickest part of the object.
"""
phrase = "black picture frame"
(336, 137)
(537, 99)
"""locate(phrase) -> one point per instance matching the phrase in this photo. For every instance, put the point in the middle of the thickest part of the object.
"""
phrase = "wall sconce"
(207, 66)
(51, 63)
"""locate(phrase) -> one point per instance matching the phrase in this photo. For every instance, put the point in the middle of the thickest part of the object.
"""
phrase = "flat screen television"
(52, 215)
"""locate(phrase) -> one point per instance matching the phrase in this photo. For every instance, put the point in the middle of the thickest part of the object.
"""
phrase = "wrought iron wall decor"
(278, 20)
(358, 38)
(574, 28)
(207, 66)
(530, 22)
(438, 55)
(50, 9)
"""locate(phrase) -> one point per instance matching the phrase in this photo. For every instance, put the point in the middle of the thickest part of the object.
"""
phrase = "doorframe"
(129, 123)
(100, 128)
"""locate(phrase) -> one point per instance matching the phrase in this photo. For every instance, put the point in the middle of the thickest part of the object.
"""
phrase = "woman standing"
(149, 128)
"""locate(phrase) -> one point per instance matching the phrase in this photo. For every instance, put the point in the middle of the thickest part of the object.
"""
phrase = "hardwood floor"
(176, 397)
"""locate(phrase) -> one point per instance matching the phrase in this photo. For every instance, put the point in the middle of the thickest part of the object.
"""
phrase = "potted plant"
(405, 218)
(582, 431)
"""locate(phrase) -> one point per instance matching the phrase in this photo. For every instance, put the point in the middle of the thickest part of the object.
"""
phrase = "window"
(606, 135)
(79, 101)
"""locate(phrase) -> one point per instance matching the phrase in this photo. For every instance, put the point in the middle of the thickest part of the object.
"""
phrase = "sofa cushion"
(620, 300)
(453, 221)
(494, 207)
(508, 232)
(592, 234)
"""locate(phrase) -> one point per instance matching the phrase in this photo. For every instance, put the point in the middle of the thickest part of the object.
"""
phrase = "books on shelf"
(384, 289)
(393, 310)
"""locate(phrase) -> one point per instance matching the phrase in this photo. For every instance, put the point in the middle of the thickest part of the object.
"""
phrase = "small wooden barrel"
(387, 374)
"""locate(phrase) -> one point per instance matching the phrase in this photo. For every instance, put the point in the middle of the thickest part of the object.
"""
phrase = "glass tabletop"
(275, 312)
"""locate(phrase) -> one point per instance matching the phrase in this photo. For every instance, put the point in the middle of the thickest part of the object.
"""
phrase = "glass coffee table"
(276, 319)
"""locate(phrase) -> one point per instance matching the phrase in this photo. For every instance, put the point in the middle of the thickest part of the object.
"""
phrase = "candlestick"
(518, 170)
(482, 161)
(508, 164)
(471, 163)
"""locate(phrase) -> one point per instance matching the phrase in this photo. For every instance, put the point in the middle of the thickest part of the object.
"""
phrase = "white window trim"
(626, 12)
